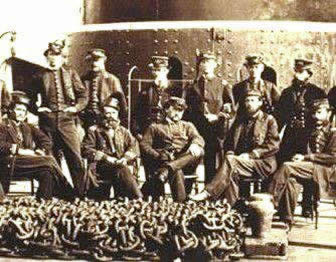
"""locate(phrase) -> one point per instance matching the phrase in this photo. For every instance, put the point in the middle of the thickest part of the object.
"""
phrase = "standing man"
(315, 169)
(173, 148)
(293, 113)
(270, 92)
(250, 151)
(25, 151)
(113, 149)
(63, 96)
(150, 101)
(100, 85)
(210, 103)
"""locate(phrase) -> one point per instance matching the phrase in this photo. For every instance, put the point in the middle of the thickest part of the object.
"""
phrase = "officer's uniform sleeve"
(89, 144)
(147, 141)
(6, 148)
(271, 143)
(81, 92)
(132, 147)
(194, 136)
(41, 140)
(325, 158)
(283, 109)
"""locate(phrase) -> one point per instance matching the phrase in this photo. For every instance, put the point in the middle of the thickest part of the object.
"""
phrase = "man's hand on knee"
(298, 158)
(111, 160)
(195, 150)
(26, 152)
(162, 174)
(244, 156)
(121, 162)
(40, 152)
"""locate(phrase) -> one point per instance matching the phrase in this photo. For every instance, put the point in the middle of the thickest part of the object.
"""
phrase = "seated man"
(111, 149)
(250, 151)
(172, 148)
(24, 151)
(316, 167)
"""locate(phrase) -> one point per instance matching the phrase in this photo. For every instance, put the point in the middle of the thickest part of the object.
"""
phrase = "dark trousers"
(210, 159)
(64, 134)
(211, 149)
(44, 175)
(184, 164)
(284, 191)
(226, 182)
(120, 177)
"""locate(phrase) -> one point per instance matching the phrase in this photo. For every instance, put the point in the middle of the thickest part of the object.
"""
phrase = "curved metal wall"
(128, 46)
(109, 11)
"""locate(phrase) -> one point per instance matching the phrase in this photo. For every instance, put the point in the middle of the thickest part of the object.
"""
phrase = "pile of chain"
(112, 230)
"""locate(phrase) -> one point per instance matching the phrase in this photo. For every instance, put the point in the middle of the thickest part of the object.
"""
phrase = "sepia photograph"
(168, 130)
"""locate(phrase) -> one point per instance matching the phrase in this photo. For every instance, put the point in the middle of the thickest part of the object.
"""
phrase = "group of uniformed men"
(233, 129)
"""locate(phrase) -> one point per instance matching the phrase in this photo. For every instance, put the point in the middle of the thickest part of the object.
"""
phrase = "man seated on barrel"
(249, 149)
(174, 148)
(111, 150)
(25, 151)
(315, 169)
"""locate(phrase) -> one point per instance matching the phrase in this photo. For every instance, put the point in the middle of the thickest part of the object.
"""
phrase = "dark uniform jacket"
(150, 101)
(122, 145)
(270, 94)
(293, 112)
(107, 84)
(44, 83)
(322, 152)
(170, 138)
(264, 143)
(32, 138)
(290, 108)
(205, 96)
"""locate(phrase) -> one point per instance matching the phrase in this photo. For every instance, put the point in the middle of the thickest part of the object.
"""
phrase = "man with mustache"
(292, 110)
(210, 105)
(270, 92)
(63, 96)
(294, 114)
(149, 107)
(314, 169)
(173, 148)
(100, 84)
(112, 150)
(25, 151)
(250, 150)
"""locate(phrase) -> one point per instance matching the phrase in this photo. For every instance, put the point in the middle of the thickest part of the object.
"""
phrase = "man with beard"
(210, 105)
(174, 148)
(292, 111)
(250, 150)
(63, 96)
(315, 169)
(100, 84)
(270, 92)
(112, 149)
(149, 108)
(25, 151)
